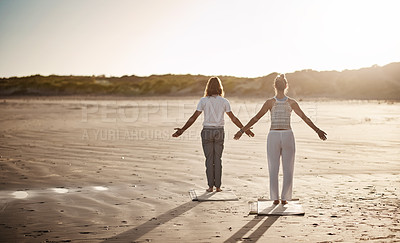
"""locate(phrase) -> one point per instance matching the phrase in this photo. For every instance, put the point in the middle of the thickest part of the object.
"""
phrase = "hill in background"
(367, 83)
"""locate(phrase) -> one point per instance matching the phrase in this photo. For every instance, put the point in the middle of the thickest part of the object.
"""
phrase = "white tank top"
(280, 114)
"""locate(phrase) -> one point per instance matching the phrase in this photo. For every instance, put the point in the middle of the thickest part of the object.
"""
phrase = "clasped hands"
(249, 133)
(240, 133)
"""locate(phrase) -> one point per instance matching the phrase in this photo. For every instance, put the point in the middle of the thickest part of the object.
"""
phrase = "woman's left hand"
(178, 132)
(322, 134)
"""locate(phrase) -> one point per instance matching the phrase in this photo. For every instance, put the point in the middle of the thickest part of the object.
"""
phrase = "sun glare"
(357, 35)
(224, 37)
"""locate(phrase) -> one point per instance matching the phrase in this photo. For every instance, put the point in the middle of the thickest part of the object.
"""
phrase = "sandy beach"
(108, 170)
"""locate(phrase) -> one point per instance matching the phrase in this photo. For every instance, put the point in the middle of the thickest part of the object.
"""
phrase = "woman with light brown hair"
(214, 106)
(280, 141)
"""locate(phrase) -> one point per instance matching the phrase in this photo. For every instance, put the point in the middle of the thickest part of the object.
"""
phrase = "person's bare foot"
(284, 202)
(219, 189)
(210, 189)
(276, 202)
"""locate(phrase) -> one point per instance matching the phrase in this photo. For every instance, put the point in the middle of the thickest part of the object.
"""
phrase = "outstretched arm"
(237, 122)
(300, 113)
(189, 122)
(267, 106)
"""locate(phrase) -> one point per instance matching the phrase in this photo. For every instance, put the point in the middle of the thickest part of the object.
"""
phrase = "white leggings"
(280, 143)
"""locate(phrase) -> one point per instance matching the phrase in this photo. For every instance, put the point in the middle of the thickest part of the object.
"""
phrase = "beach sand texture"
(91, 170)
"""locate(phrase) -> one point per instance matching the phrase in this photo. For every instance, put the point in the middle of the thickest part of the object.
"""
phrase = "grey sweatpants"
(213, 144)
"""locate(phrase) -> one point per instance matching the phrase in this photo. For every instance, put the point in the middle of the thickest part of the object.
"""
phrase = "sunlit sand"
(20, 195)
(109, 171)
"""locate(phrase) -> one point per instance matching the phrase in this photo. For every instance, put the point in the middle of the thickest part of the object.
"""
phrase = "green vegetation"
(368, 83)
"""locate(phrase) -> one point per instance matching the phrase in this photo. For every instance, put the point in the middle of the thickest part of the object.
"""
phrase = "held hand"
(250, 133)
(178, 132)
(322, 134)
(240, 133)
(237, 135)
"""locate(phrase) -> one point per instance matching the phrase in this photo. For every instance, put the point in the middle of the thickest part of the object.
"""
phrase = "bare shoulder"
(269, 103)
(270, 100)
(292, 102)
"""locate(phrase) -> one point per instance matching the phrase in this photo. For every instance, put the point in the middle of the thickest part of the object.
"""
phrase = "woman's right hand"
(237, 135)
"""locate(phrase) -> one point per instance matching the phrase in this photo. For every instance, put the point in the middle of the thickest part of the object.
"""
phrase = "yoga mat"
(268, 208)
(202, 195)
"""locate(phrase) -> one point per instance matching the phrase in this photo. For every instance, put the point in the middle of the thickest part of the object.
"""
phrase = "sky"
(211, 37)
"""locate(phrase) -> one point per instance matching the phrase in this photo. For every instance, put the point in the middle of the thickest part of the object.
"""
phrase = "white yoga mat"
(202, 195)
(268, 208)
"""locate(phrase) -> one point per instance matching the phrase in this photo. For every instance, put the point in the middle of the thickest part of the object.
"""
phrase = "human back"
(214, 107)
(280, 140)
(280, 114)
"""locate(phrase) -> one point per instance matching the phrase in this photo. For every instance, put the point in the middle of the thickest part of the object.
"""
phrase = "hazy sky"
(210, 37)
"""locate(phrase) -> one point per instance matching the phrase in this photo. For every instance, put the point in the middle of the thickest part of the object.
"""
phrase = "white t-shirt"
(214, 108)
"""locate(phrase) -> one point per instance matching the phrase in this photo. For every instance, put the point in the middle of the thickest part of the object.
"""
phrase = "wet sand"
(87, 170)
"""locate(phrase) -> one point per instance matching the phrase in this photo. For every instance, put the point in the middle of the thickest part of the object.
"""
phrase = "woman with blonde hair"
(214, 106)
(280, 141)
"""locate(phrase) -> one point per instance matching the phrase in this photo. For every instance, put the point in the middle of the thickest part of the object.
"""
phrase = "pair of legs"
(213, 144)
(281, 144)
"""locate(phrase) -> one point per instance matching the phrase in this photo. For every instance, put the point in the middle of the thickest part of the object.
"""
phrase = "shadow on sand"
(153, 223)
(258, 232)
(137, 232)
